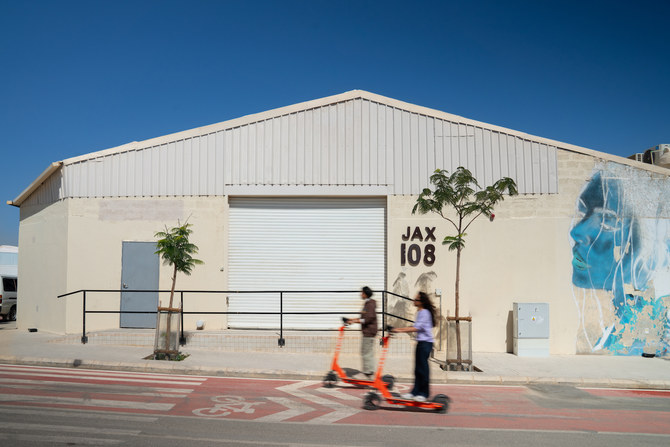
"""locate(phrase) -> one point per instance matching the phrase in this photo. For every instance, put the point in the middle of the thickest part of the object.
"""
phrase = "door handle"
(125, 286)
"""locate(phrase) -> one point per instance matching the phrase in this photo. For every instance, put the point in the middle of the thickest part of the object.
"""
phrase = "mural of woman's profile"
(621, 262)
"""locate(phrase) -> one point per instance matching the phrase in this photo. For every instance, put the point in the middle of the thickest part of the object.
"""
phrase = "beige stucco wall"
(42, 267)
(77, 244)
(524, 255)
(94, 255)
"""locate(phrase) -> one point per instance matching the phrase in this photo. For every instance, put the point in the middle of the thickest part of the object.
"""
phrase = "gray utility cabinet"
(531, 329)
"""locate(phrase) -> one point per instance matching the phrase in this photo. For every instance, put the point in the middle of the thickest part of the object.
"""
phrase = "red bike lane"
(472, 406)
(533, 407)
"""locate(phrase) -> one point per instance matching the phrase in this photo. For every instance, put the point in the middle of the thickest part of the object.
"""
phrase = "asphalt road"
(53, 406)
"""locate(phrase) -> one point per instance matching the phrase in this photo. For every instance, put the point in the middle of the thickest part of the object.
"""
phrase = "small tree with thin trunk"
(176, 250)
(461, 193)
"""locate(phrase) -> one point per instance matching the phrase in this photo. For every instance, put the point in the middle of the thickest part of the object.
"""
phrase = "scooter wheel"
(330, 380)
(444, 401)
(371, 401)
(388, 380)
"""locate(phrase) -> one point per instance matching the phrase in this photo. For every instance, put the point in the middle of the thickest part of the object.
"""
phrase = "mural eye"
(609, 223)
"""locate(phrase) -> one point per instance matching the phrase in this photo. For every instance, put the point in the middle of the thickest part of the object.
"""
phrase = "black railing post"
(383, 316)
(182, 339)
(84, 338)
(281, 340)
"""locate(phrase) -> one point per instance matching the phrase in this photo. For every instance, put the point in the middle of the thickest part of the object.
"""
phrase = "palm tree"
(461, 192)
(176, 250)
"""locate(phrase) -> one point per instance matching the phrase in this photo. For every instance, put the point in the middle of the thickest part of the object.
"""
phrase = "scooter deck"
(358, 382)
(414, 403)
(351, 380)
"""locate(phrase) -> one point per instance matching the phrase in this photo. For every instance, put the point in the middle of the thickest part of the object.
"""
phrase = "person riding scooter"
(368, 321)
(423, 326)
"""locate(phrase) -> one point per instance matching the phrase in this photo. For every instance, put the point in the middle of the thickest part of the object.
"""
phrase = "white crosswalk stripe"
(99, 377)
(338, 394)
(27, 388)
(86, 402)
(35, 387)
(92, 372)
(294, 409)
(339, 412)
(108, 388)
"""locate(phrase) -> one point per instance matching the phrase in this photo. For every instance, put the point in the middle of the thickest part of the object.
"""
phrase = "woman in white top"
(423, 326)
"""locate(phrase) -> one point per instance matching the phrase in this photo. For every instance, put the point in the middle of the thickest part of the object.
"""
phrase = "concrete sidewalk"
(45, 349)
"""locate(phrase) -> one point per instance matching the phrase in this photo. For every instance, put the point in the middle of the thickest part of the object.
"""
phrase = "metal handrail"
(182, 339)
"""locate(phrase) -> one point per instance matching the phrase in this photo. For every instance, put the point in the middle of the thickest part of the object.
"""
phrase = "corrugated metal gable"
(48, 192)
(353, 143)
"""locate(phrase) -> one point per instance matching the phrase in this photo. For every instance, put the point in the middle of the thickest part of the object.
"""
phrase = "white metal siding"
(309, 244)
(49, 192)
(354, 143)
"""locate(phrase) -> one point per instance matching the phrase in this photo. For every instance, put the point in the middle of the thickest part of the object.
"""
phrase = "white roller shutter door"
(303, 244)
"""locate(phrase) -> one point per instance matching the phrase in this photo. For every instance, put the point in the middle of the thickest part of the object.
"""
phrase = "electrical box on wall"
(531, 320)
(531, 329)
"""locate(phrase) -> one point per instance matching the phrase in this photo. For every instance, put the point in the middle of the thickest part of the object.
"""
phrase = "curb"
(449, 378)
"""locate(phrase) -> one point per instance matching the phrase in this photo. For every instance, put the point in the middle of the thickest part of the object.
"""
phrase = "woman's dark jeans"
(421, 369)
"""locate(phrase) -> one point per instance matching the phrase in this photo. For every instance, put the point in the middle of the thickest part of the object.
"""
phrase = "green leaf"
(175, 249)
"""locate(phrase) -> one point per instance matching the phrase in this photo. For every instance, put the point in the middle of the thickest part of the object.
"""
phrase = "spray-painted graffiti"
(621, 262)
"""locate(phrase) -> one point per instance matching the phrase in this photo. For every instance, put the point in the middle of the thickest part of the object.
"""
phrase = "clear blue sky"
(82, 76)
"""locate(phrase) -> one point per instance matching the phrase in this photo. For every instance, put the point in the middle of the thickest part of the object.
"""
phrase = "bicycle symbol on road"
(226, 405)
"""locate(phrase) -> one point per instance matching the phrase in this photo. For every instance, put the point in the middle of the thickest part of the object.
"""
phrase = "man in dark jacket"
(368, 321)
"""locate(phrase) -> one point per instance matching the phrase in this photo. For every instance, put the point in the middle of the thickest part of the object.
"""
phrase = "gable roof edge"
(333, 99)
(216, 127)
(559, 144)
(53, 167)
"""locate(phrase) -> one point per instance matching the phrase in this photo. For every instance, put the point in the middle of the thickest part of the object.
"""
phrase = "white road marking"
(92, 372)
(65, 412)
(294, 409)
(340, 411)
(102, 391)
(225, 405)
(338, 394)
(85, 402)
(106, 378)
(109, 388)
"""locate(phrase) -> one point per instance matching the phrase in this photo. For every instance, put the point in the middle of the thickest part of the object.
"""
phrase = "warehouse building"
(317, 197)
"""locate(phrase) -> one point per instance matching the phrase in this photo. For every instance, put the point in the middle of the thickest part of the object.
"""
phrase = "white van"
(8, 289)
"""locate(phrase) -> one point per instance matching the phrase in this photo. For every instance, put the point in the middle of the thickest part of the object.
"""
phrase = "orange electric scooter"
(336, 372)
(372, 400)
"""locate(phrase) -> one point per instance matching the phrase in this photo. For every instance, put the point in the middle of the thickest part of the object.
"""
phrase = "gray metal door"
(139, 271)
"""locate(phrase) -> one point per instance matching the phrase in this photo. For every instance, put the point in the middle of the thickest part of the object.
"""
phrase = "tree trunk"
(169, 313)
(457, 301)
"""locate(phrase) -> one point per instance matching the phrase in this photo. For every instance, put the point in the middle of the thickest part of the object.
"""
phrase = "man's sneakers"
(410, 396)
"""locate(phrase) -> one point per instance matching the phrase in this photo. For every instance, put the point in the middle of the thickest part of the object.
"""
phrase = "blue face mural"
(601, 236)
(621, 263)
